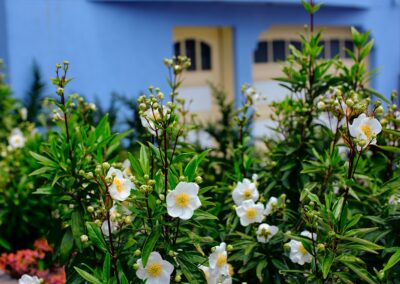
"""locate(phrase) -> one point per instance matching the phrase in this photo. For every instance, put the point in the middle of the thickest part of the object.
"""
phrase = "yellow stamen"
(251, 213)
(221, 259)
(247, 193)
(366, 129)
(118, 184)
(302, 249)
(182, 200)
(154, 269)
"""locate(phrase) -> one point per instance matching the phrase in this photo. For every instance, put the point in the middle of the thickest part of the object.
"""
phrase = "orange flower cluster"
(27, 261)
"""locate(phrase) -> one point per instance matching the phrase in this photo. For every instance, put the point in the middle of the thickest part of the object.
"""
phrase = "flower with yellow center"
(219, 268)
(249, 212)
(265, 232)
(298, 253)
(156, 271)
(16, 139)
(365, 129)
(183, 200)
(245, 190)
(120, 189)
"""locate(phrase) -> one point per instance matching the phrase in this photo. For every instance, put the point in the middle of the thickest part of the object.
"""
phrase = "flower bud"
(171, 253)
(178, 278)
(66, 62)
(90, 209)
(162, 197)
(321, 247)
(158, 201)
(128, 219)
(81, 172)
(106, 165)
(84, 238)
(182, 178)
(379, 110)
(321, 105)
(89, 175)
(136, 266)
(97, 222)
(198, 179)
(349, 102)
(229, 247)
(60, 91)
(137, 252)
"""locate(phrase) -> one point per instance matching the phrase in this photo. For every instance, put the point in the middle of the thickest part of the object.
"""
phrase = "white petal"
(194, 203)
(154, 257)
(168, 267)
(174, 211)
(187, 213)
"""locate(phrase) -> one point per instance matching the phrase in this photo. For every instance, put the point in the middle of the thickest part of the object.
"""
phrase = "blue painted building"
(119, 45)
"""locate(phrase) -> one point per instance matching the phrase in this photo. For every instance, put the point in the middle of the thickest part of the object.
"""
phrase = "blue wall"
(119, 46)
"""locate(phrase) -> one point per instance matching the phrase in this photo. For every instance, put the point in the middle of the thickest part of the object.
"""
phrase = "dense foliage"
(318, 202)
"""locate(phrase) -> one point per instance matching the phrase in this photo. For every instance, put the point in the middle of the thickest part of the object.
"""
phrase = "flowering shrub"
(318, 204)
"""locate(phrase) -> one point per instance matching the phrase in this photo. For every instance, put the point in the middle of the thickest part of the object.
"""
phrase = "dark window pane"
(205, 56)
(177, 48)
(348, 44)
(190, 46)
(323, 52)
(335, 47)
(279, 50)
(296, 44)
(261, 53)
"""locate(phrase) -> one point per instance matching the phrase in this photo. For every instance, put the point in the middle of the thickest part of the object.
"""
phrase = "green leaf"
(391, 131)
(106, 267)
(190, 169)
(393, 260)
(362, 273)
(78, 227)
(338, 207)
(4, 244)
(389, 149)
(43, 160)
(203, 215)
(67, 244)
(149, 245)
(327, 263)
(87, 276)
(96, 237)
(259, 269)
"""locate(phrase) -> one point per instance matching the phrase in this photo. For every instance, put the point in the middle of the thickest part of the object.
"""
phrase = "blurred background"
(117, 47)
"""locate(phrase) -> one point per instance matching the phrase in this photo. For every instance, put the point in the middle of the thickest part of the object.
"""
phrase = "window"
(199, 53)
(205, 56)
(296, 44)
(261, 53)
(335, 47)
(276, 50)
(279, 50)
(348, 44)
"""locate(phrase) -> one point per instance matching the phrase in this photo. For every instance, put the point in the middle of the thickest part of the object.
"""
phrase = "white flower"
(249, 212)
(214, 279)
(104, 228)
(126, 165)
(24, 113)
(151, 116)
(26, 279)
(218, 261)
(245, 190)
(298, 254)
(157, 270)
(121, 187)
(265, 232)
(365, 129)
(183, 200)
(16, 139)
(394, 199)
(271, 206)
